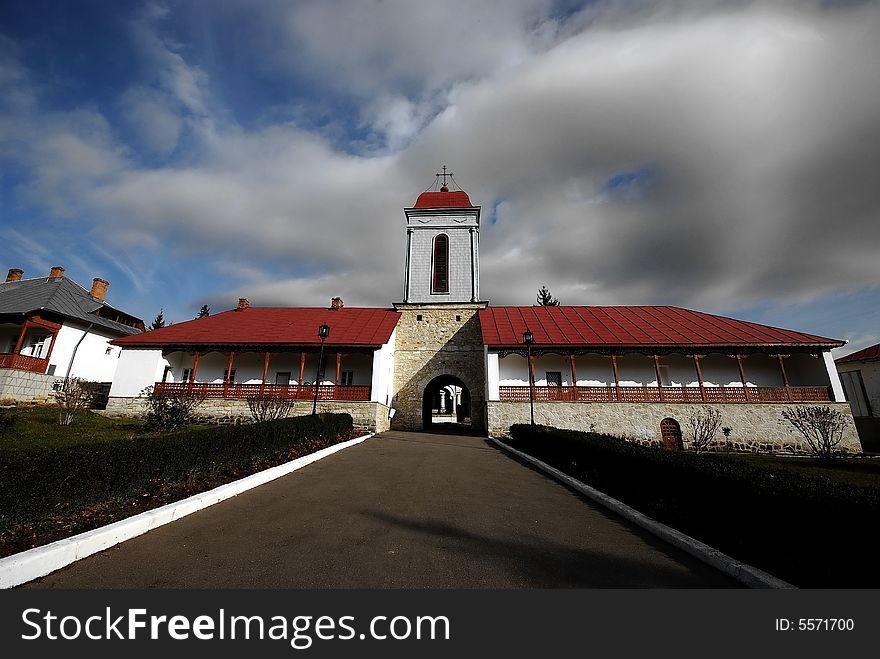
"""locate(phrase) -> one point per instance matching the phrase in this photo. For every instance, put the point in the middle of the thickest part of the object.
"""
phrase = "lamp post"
(529, 339)
(323, 332)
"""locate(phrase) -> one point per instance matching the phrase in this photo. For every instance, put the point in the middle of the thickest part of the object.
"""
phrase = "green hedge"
(807, 529)
(34, 482)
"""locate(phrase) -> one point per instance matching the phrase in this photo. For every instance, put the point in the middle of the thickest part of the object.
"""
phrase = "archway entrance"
(446, 405)
(670, 431)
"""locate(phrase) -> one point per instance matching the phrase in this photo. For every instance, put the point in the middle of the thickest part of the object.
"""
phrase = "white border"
(40, 561)
(745, 574)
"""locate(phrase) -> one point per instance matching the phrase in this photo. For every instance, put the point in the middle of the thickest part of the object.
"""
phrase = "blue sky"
(713, 155)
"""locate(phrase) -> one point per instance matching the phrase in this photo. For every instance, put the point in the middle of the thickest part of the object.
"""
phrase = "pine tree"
(159, 320)
(204, 311)
(544, 298)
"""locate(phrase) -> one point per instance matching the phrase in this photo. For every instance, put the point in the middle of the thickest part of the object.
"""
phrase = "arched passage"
(446, 404)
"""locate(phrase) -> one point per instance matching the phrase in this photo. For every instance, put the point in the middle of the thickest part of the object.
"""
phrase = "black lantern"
(529, 339)
(323, 332)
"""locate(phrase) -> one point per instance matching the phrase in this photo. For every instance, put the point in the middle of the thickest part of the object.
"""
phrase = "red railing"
(23, 362)
(669, 394)
(296, 392)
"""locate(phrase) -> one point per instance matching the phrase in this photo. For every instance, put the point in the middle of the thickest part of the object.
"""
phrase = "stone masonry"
(25, 386)
(754, 427)
(435, 340)
(367, 416)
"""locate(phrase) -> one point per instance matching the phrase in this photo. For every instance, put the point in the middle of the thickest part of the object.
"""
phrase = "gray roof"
(60, 295)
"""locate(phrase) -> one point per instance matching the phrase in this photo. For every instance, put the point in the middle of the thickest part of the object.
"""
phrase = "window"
(229, 376)
(282, 377)
(164, 373)
(554, 378)
(346, 377)
(36, 345)
(187, 375)
(441, 264)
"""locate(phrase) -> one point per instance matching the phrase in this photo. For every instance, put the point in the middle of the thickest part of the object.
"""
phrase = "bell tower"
(442, 248)
(439, 343)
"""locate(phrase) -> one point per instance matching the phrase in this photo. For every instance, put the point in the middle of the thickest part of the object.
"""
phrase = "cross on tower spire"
(444, 175)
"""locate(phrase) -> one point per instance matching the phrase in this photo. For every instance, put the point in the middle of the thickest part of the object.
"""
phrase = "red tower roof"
(444, 199)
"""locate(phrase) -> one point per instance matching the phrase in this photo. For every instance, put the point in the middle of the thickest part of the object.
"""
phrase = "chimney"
(99, 288)
(56, 272)
(336, 303)
(14, 274)
(243, 303)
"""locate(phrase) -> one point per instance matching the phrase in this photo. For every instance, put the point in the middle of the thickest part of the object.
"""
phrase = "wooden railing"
(296, 392)
(23, 362)
(669, 394)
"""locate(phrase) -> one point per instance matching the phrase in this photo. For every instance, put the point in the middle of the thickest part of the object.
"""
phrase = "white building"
(860, 374)
(52, 328)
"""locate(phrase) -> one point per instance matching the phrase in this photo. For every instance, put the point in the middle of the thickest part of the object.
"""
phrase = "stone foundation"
(26, 386)
(446, 341)
(367, 416)
(757, 427)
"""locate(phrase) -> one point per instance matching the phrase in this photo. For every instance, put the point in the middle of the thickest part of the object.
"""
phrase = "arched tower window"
(440, 279)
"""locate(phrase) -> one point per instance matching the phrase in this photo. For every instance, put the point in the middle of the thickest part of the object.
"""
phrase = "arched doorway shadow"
(446, 406)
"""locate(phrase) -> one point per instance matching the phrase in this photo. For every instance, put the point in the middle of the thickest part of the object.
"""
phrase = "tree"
(204, 311)
(75, 395)
(544, 298)
(703, 428)
(159, 320)
(822, 427)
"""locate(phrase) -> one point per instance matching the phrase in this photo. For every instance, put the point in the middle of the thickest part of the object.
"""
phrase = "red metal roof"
(457, 199)
(349, 326)
(869, 354)
(631, 326)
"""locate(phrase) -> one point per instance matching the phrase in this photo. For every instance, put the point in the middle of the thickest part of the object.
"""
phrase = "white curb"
(745, 574)
(40, 561)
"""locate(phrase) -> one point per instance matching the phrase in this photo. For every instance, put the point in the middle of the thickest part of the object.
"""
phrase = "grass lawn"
(56, 481)
(37, 428)
(802, 520)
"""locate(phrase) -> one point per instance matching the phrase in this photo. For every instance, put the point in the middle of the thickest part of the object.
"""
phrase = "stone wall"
(25, 386)
(368, 417)
(446, 341)
(755, 427)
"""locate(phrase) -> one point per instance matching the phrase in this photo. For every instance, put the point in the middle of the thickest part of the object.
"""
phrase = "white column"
(492, 375)
(833, 377)
(406, 273)
(473, 267)
(383, 372)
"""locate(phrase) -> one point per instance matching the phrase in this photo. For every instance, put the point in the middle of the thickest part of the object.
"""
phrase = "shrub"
(7, 421)
(268, 407)
(703, 428)
(170, 411)
(822, 427)
(73, 396)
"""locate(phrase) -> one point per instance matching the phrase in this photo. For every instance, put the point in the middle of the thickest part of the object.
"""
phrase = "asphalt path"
(401, 510)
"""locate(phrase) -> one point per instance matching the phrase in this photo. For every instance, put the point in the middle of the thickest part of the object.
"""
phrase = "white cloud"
(759, 122)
